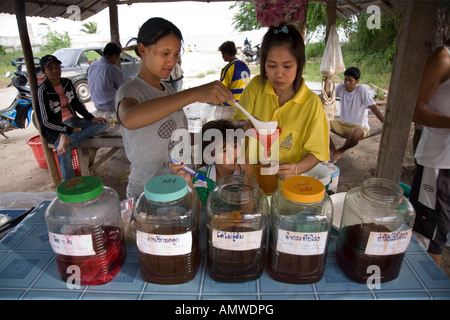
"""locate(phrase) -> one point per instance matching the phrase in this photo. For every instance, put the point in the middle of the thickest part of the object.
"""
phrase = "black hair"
(353, 72)
(222, 126)
(112, 49)
(153, 30)
(228, 47)
(284, 35)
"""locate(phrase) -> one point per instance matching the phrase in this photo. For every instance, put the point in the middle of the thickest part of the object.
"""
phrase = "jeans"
(88, 129)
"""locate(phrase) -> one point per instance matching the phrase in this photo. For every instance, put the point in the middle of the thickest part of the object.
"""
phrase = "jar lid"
(303, 189)
(166, 188)
(79, 189)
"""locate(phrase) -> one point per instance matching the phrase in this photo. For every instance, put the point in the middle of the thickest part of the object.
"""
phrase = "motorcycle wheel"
(82, 89)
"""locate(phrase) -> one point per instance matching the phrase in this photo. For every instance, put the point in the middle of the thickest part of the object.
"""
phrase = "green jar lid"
(166, 188)
(79, 189)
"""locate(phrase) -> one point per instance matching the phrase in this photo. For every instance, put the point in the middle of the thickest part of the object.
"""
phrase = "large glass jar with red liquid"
(167, 231)
(85, 231)
(301, 216)
(375, 231)
(237, 220)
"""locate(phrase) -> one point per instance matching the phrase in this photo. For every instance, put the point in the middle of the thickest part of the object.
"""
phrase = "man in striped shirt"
(236, 74)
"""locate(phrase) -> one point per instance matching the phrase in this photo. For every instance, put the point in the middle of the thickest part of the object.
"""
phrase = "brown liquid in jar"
(298, 269)
(268, 183)
(235, 266)
(170, 269)
(354, 262)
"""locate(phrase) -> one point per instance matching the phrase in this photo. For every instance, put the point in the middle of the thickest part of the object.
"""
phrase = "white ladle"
(263, 127)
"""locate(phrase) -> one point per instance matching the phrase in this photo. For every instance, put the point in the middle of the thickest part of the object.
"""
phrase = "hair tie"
(283, 29)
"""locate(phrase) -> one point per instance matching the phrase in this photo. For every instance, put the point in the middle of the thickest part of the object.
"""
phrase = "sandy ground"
(19, 170)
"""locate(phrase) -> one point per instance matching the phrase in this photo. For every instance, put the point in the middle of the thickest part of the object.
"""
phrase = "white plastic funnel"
(266, 127)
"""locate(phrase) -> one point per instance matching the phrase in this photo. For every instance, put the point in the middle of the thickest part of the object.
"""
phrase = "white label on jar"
(388, 243)
(72, 245)
(236, 241)
(302, 243)
(164, 244)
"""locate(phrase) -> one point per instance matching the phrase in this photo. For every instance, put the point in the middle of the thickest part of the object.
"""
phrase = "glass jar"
(167, 231)
(85, 231)
(237, 216)
(302, 214)
(375, 231)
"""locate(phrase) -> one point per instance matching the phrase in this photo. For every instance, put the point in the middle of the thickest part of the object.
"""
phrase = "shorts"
(344, 129)
(432, 223)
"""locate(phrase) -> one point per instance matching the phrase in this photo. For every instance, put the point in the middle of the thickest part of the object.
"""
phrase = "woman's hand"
(287, 170)
(214, 92)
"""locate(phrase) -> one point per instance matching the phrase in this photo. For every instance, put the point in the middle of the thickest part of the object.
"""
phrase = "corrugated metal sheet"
(60, 8)
(346, 8)
(57, 8)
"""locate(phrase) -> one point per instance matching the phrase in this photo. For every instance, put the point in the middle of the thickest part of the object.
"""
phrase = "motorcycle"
(249, 55)
(19, 114)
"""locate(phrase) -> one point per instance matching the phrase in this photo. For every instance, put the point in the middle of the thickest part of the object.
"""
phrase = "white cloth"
(433, 150)
(355, 105)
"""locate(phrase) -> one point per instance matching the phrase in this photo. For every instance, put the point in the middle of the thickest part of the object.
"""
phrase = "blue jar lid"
(166, 188)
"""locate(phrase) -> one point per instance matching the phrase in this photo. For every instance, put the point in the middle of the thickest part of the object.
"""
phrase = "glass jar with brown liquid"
(167, 231)
(237, 216)
(375, 231)
(301, 213)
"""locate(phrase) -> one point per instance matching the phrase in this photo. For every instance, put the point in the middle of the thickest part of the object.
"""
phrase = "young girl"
(280, 94)
(222, 166)
(149, 110)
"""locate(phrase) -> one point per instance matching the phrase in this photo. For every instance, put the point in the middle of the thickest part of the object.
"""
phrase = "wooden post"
(114, 21)
(412, 47)
(32, 81)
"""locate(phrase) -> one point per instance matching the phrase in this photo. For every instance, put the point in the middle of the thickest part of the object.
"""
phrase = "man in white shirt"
(355, 104)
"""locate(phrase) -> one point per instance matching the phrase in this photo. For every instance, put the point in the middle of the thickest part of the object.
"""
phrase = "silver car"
(75, 62)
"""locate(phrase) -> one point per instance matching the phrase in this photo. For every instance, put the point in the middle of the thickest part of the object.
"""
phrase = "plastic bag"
(332, 60)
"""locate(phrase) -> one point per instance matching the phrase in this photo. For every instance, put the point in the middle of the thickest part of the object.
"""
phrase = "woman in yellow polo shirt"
(280, 94)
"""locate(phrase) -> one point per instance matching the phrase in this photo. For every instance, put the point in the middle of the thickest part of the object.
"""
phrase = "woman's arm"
(134, 115)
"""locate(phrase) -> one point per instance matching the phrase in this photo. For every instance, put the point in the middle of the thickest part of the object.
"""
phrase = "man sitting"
(355, 105)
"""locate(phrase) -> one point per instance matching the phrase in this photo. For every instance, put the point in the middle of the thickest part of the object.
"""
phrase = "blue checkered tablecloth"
(28, 271)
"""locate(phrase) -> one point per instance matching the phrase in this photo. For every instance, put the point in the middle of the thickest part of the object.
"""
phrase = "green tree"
(89, 27)
(55, 41)
(245, 19)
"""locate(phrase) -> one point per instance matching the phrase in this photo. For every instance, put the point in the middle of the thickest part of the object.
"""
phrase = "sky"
(191, 17)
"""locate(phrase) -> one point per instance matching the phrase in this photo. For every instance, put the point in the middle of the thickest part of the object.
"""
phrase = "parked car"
(75, 62)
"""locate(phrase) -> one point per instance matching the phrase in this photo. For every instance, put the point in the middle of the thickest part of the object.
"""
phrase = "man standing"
(104, 78)
(236, 74)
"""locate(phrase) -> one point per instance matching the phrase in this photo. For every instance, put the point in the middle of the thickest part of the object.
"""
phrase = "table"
(87, 149)
(28, 271)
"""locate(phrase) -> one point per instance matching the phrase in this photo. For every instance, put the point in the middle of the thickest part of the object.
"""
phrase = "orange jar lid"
(303, 189)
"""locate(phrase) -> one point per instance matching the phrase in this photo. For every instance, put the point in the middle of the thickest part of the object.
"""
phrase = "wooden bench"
(87, 150)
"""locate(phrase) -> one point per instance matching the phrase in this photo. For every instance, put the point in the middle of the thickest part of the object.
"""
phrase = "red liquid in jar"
(102, 267)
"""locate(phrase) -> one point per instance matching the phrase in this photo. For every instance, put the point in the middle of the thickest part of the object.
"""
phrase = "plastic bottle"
(167, 231)
(301, 213)
(237, 216)
(375, 231)
(85, 230)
